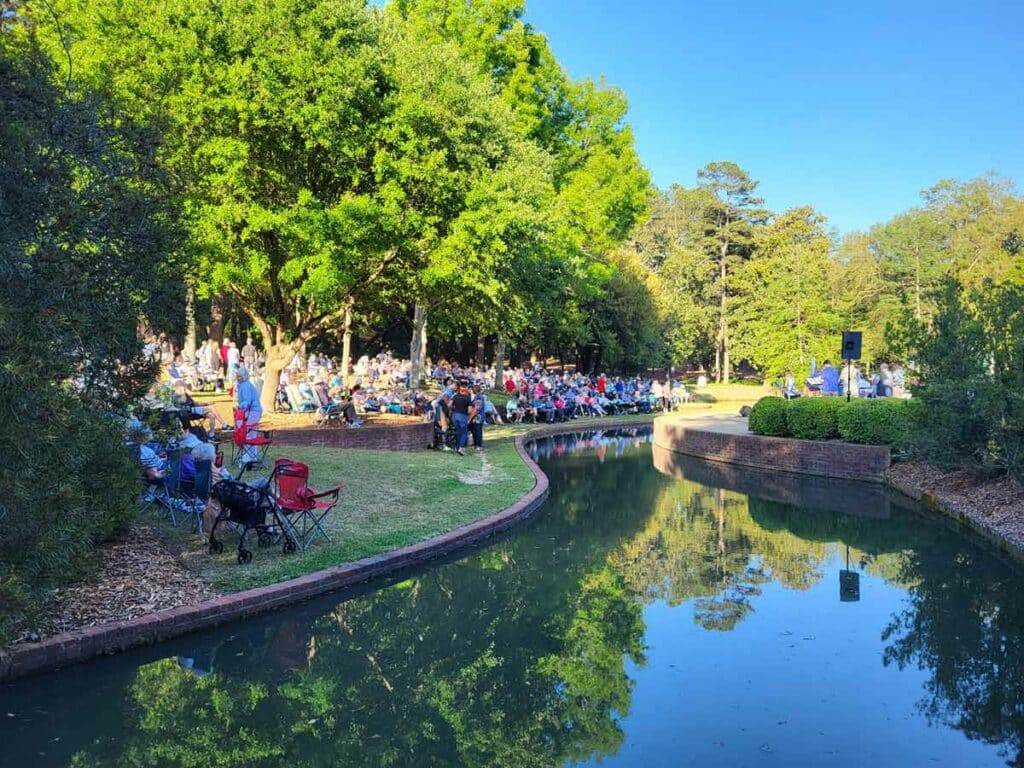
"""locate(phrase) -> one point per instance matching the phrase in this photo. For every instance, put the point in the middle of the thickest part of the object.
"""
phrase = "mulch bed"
(138, 575)
(996, 502)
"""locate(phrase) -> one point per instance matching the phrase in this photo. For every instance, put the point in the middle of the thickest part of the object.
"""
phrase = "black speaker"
(851, 345)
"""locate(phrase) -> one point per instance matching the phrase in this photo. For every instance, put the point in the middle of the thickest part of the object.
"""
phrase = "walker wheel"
(216, 547)
(264, 540)
(289, 546)
(244, 556)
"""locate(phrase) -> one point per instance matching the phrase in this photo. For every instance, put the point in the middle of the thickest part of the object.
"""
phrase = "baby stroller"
(248, 506)
(445, 440)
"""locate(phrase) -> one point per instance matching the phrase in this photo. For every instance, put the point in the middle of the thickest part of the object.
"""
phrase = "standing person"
(249, 354)
(224, 346)
(899, 380)
(461, 404)
(657, 392)
(478, 413)
(830, 380)
(234, 357)
(885, 384)
(249, 404)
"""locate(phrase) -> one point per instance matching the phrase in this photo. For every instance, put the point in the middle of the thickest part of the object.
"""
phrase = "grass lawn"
(393, 499)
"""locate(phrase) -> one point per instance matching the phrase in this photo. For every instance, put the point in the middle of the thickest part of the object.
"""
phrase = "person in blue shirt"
(249, 403)
(830, 379)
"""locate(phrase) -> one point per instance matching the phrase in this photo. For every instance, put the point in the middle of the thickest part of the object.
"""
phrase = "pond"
(658, 611)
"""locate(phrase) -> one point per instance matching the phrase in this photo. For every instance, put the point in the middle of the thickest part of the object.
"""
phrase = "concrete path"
(726, 423)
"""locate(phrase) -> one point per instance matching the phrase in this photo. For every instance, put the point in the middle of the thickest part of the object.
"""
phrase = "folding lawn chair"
(195, 497)
(328, 412)
(249, 440)
(295, 499)
(298, 402)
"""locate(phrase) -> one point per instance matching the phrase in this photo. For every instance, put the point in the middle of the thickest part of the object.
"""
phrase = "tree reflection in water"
(521, 654)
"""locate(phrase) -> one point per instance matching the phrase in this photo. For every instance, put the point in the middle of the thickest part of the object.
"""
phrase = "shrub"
(814, 418)
(877, 422)
(70, 483)
(768, 417)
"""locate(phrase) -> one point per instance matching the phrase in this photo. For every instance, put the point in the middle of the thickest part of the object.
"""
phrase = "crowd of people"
(830, 381)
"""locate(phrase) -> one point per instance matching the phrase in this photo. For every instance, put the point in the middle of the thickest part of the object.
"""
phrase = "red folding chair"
(249, 440)
(295, 498)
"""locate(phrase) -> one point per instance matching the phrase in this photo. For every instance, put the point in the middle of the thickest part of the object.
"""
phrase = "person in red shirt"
(510, 385)
(602, 383)
(224, 346)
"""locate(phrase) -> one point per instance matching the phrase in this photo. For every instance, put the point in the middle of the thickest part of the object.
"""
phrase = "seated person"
(544, 409)
(789, 390)
(513, 411)
(323, 392)
(348, 413)
(491, 413)
(371, 403)
(189, 410)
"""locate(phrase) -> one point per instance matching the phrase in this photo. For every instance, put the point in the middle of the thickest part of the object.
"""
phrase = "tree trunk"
(278, 357)
(499, 364)
(216, 329)
(917, 286)
(190, 321)
(418, 344)
(481, 348)
(346, 346)
(723, 326)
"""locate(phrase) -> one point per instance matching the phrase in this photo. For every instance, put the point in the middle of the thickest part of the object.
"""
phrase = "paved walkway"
(726, 423)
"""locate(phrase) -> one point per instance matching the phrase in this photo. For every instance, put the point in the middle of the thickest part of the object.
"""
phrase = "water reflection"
(602, 443)
(641, 618)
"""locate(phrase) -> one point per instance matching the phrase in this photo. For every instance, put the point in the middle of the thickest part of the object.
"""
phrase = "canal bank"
(84, 643)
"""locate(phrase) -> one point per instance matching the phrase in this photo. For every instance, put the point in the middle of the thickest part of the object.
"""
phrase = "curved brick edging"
(83, 644)
(940, 506)
(828, 459)
(411, 436)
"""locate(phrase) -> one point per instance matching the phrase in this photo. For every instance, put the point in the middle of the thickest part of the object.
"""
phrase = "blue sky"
(851, 107)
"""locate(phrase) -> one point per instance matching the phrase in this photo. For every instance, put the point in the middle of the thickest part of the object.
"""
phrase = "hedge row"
(871, 422)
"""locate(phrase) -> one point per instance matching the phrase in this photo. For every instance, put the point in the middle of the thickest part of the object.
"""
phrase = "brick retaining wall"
(410, 436)
(827, 494)
(825, 458)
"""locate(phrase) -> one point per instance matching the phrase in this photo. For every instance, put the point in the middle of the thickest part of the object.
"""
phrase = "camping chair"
(167, 493)
(195, 497)
(328, 412)
(296, 498)
(249, 439)
(299, 403)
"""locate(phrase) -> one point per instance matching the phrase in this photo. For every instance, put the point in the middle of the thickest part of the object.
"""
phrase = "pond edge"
(86, 643)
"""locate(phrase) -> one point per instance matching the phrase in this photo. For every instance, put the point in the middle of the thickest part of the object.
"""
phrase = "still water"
(659, 611)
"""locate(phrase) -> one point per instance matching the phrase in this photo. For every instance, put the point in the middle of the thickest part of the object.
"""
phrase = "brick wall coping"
(407, 435)
(812, 457)
(82, 644)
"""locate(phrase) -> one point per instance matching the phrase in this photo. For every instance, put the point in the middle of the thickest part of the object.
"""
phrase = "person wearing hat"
(462, 411)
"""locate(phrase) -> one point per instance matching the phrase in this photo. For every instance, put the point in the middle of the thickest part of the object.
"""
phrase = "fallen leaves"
(139, 575)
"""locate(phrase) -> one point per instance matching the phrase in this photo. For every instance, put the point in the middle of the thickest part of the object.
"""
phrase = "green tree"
(83, 239)
(268, 111)
(731, 216)
(786, 315)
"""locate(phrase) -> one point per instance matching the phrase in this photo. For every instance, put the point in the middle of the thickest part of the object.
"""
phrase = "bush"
(814, 418)
(70, 483)
(768, 417)
(878, 422)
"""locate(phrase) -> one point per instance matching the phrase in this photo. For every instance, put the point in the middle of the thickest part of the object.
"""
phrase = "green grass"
(393, 499)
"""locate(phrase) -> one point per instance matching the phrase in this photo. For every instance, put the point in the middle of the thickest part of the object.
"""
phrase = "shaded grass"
(392, 499)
